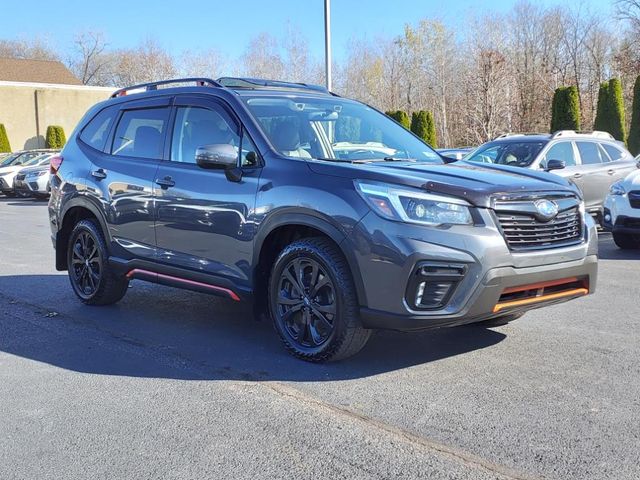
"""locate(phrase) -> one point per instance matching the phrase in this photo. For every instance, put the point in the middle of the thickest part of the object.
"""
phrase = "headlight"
(617, 189)
(396, 203)
(37, 174)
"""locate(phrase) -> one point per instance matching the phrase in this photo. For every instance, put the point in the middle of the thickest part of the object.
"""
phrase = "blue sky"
(229, 25)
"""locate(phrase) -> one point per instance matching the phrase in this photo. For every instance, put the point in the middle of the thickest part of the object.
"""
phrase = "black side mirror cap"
(219, 155)
(555, 165)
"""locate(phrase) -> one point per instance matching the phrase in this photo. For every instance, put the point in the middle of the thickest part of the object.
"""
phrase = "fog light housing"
(431, 285)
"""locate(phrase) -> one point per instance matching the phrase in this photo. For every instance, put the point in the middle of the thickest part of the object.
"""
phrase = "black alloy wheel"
(307, 302)
(86, 265)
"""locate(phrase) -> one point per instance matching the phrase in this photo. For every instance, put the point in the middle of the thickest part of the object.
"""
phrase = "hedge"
(610, 112)
(5, 146)
(634, 130)
(401, 117)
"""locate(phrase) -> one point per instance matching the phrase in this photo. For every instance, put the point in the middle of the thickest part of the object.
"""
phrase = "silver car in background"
(591, 160)
(33, 181)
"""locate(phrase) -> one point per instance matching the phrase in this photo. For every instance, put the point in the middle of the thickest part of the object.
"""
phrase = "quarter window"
(613, 152)
(561, 151)
(590, 154)
(96, 131)
(196, 127)
(140, 133)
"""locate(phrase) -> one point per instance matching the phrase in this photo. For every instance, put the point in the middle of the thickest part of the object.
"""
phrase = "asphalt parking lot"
(173, 384)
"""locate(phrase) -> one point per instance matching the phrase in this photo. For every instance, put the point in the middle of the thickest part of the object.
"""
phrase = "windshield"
(37, 160)
(515, 154)
(7, 160)
(335, 129)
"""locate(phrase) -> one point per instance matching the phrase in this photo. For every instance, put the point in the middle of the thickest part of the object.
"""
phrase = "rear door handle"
(611, 172)
(166, 182)
(577, 175)
(99, 174)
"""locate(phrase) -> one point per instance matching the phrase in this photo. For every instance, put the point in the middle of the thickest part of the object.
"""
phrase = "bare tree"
(262, 58)
(33, 49)
(89, 62)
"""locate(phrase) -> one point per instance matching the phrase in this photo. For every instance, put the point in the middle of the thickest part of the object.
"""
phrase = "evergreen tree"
(602, 111)
(401, 117)
(616, 110)
(423, 126)
(565, 109)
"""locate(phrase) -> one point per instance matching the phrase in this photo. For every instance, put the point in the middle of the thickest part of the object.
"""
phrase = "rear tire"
(92, 279)
(313, 302)
(626, 241)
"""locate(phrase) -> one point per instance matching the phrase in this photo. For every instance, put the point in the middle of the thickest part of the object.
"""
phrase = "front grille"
(634, 199)
(523, 231)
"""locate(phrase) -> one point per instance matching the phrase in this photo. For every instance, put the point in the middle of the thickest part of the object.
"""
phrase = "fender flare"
(79, 201)
(312, 218)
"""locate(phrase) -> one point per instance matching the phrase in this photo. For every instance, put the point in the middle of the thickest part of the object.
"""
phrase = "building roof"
(36, 71)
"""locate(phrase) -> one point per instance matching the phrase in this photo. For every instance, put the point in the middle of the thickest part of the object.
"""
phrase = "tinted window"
(197, 126)
(516, 154)
(614, 153)
(561, 151)
(96, 131)
(590, 154)
(140, 133)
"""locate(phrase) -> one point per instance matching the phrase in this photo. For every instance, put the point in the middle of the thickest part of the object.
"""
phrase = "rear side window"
(95, 133)
(590, 154)
(140, 133)
(561, 151)
(613, 152)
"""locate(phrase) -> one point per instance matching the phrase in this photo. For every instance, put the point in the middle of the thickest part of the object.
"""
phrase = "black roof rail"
(199, 81)
(243, 82)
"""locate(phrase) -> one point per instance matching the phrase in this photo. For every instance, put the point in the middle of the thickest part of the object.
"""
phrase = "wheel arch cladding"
(281, 233)
(74, 213)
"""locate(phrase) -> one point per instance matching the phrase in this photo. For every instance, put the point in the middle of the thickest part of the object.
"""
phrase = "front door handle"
(577, 175)
(99, 174)
(165, 182)
(611, 172)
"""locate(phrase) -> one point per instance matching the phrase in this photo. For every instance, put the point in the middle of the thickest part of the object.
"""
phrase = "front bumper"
(388, 253)
(619, 216)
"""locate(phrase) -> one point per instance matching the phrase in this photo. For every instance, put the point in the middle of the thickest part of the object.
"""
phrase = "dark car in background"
(242, 188)
(591, 160)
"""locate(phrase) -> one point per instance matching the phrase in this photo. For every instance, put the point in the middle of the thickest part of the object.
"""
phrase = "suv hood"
(632, 181)
(476, 183)
(36, 168)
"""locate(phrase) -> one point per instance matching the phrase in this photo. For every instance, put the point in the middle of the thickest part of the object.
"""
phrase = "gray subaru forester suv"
(326, 214)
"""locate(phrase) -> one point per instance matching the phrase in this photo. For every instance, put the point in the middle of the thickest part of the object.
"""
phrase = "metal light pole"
(327, 43)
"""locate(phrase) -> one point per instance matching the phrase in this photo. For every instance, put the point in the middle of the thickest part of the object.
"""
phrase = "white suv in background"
(622, 211)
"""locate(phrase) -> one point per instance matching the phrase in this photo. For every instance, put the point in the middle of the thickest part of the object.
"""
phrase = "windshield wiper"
(396, 159)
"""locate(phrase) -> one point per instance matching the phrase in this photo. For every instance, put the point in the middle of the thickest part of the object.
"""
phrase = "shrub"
(634, 129)
(565, 109)
(401, 117)
(55, 136)
(610, 112)
(5, 146)
(422, 125)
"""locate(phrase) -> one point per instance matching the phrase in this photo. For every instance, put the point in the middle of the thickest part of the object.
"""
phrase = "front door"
(203, 218)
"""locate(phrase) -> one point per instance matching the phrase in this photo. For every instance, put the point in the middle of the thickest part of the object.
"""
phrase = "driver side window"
(560, 151)
(195, 127)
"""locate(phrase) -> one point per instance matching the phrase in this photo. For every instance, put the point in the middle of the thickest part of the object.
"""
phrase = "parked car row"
(26, 173)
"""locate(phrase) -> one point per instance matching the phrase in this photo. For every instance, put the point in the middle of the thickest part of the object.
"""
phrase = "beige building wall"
(27, 109)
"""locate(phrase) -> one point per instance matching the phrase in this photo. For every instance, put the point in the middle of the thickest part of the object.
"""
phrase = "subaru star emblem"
(546, 209)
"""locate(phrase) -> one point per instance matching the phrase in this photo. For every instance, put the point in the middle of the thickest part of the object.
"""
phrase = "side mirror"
(219, 155)
(555, 165)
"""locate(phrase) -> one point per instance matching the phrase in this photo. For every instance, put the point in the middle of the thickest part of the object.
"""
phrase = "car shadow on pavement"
(609, 251)
(160, 332)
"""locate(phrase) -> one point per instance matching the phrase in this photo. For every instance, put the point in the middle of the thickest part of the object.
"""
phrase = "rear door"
(202, 219)
(122, 176)
(594, 178)
(621, 162)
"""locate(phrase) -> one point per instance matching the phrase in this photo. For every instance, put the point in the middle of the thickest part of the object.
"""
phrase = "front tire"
(92, 279)
(625, 241)
(313, 302)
